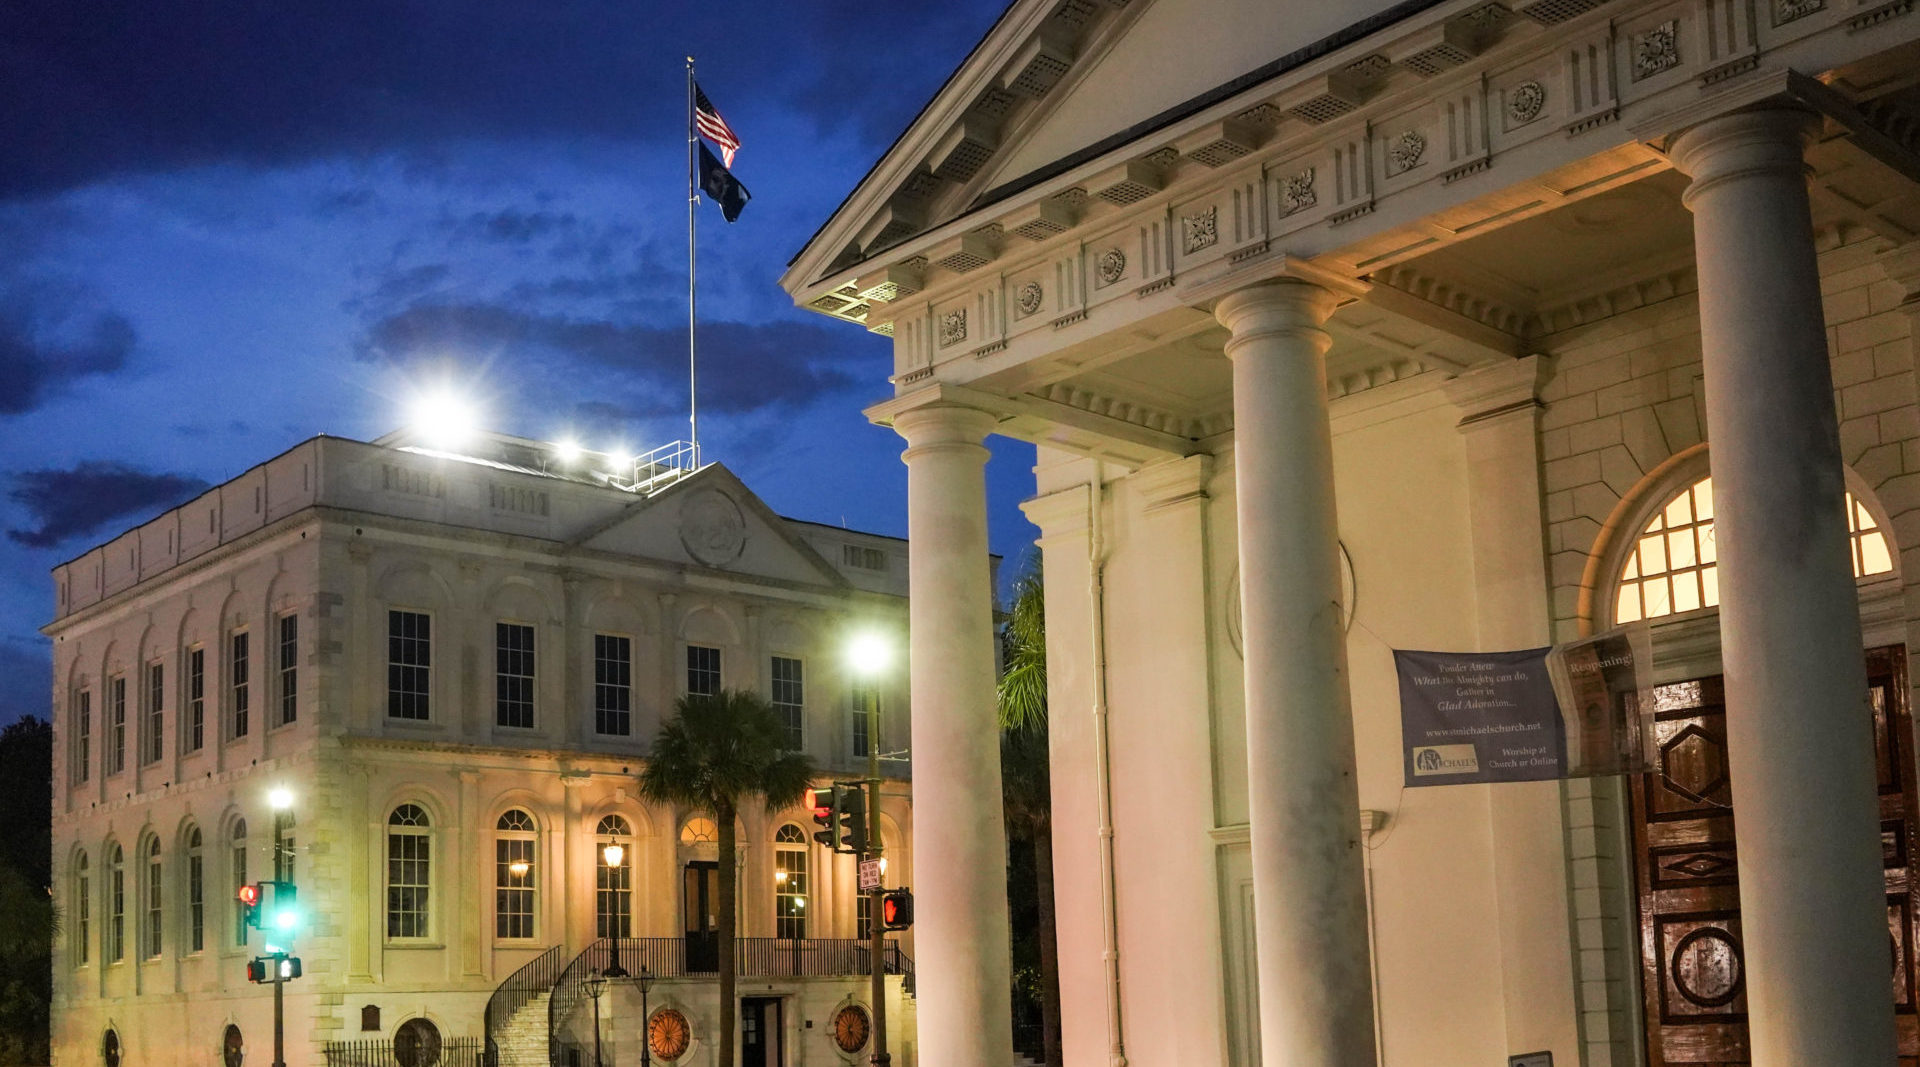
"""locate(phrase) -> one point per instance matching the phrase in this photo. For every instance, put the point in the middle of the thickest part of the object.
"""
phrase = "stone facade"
(335, 535)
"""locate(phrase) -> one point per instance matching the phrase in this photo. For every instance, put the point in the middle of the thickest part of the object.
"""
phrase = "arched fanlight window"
(514, 876)
(790, 882)
(699, 830)
(409, 871)
(613, 877)
(1673, 565)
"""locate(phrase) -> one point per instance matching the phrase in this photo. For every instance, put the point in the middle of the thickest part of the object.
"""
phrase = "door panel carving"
(1693, 964)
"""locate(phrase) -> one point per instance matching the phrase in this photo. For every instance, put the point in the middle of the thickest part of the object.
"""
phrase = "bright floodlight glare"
(280, 798)
(614, 854)
(567, 450)
(444, 419)
(868, 654)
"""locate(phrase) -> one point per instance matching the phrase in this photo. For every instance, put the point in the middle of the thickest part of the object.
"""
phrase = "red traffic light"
(821, 801)
(896, 909)
(249, 895)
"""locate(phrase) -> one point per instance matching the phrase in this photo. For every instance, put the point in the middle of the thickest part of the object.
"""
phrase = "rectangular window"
(703, 670)
(407, 860)
(513, 888)
(239, 879)
(513, 674)
(83, 736)
(790, 893)
(156, 714)
(196, 699)
(116, 908)
(612, 685)
(196, 901)
(289, 668)
(409, 664)
(283, 847)
(156, 900)
(789, 700)
(116, 725)
(83, 914)
(237, 673)
(862, 718)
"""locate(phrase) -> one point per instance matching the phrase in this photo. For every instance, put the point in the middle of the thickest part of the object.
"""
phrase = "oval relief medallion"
(712, 529)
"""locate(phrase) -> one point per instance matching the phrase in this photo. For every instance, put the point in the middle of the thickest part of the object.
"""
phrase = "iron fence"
(453, 1052)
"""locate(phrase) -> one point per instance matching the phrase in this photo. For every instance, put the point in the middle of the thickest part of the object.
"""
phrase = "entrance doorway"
(1693, 968)
(701, 906)
(761, 1032)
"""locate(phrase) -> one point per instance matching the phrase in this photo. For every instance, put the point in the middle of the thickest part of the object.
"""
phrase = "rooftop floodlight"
(280, 798)
(443, 419)
(869, 654)
(567, 451)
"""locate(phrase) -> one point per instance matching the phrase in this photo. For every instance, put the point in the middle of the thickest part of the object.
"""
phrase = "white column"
(1812, 900)
(1310, 917)
(964, 963)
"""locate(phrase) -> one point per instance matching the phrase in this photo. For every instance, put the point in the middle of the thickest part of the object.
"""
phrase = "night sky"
(227, 225)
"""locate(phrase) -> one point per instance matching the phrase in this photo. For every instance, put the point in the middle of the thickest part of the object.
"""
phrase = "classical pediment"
(712, 520)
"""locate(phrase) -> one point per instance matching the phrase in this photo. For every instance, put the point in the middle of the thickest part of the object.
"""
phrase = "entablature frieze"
(1430, 153)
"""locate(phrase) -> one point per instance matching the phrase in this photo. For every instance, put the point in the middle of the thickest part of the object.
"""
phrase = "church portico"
(1422, 326)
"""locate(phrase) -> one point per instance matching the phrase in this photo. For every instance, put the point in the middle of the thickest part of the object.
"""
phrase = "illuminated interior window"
(1674, 565)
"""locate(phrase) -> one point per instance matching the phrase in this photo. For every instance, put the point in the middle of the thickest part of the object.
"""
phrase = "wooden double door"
(1693, 967)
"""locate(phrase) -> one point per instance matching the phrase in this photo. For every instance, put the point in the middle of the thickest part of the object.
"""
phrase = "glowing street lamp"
(280, 798)
(613, 853)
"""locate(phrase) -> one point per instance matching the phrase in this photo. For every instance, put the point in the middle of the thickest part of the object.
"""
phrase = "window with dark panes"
(789, 699)
(289, 668)
(612, 685)
(237, 672)
(703, 670)
(513, 674)
(409, 664)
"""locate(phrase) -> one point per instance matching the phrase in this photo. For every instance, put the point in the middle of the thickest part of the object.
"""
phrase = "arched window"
(116, 904)
(156, 903)
(513, 876)
(237, 842)
(82, 909)
(790, 882)
(196, 893)
(409, 851)
(699, 830)
(613, 878)
(1673, 565)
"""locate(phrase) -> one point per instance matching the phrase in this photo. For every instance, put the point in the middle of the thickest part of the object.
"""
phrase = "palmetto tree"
(717, 754)
(1026, 787)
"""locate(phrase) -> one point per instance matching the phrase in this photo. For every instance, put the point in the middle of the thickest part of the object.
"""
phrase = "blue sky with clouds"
(229, 226)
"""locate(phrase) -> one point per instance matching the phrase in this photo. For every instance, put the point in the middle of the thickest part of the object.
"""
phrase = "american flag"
(713, 127)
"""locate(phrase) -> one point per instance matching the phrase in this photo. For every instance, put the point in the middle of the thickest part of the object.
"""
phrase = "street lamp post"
(613, 854)
(869, 654)
(596, 985)
(646, 1017)
(279, 799)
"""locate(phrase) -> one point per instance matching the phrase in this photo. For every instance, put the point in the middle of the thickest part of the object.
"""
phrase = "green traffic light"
(285, 920)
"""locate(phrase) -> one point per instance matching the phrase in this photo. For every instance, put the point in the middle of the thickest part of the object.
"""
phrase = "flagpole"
(693, 198)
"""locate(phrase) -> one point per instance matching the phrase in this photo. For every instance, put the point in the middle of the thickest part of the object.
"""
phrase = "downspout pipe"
(1103, 767)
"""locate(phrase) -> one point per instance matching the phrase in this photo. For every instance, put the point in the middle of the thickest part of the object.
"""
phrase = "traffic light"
(824, 816)
(281, 905)
(853, 817)
(250, 904)
(896, 909)
(261, 968)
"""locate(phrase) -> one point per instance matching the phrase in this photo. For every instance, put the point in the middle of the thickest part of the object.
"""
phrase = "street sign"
(869, 875)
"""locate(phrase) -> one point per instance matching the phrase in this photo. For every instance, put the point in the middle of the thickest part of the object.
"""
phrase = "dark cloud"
(514, 226)
(46, 341)
(76, 501)
(26, 675)
(116, 86)
(745, 367)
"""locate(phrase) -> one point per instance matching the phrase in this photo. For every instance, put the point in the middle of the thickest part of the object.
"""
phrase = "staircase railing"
(536, 977)
(754, 957)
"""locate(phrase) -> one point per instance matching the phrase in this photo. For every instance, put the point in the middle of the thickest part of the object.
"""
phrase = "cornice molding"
(1176, 482)
(1493, 389)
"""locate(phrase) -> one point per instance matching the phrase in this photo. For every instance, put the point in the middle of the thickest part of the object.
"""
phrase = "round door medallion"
(668, 1034)
(1706, 967)
(851, 1028)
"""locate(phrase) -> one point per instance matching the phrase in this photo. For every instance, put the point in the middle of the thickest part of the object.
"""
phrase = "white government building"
(1484, 324)
(452, 661)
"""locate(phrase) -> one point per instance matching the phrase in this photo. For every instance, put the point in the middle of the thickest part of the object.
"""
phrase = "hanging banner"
(1605, 684)
(1473, 717)
(1479, 717)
